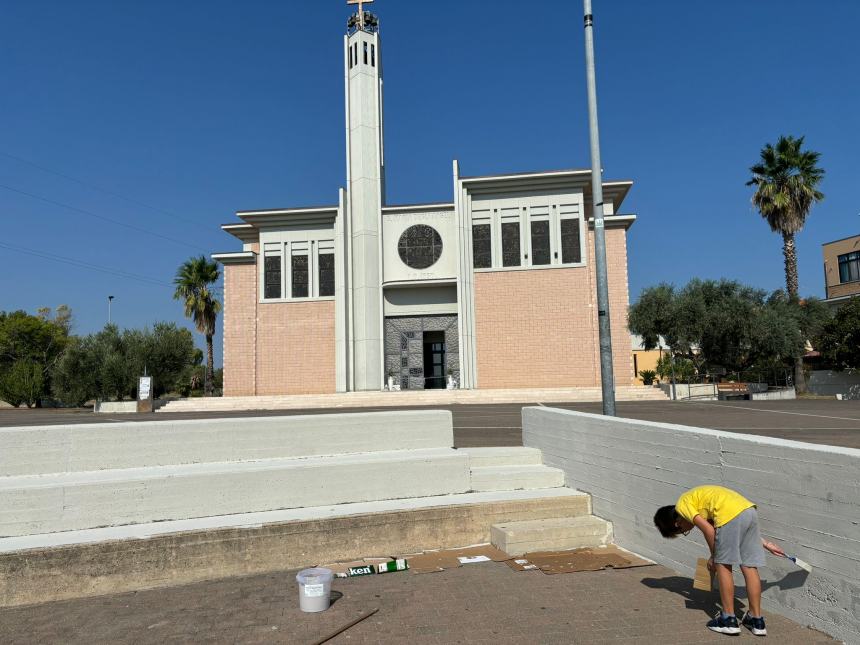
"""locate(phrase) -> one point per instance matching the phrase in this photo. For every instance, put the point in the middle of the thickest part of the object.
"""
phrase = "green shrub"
(648, 376)
(684, 370)
(24, 383)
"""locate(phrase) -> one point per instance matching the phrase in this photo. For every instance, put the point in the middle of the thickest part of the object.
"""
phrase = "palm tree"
(193, 285)
(786, 180)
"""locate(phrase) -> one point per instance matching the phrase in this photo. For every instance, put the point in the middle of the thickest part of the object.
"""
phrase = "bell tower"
(365, 181)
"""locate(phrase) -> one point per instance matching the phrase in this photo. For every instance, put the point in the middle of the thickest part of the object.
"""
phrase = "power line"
(92, 267)
(95, 187)
(102, 217)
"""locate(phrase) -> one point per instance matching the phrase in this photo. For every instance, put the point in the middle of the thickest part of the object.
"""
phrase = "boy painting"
(729, 523)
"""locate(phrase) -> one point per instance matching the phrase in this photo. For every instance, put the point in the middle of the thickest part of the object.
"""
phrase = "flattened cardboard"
(590, 559)
(341, 567)
(704, 579)
(434, 561)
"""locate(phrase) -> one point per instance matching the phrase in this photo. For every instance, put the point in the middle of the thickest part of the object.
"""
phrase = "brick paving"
(475, 604)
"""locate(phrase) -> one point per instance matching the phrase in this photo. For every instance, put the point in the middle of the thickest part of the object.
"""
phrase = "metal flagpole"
(607, 380)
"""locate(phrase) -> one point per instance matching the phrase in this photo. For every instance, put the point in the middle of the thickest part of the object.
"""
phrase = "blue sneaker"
(724, 625)
(755, 625)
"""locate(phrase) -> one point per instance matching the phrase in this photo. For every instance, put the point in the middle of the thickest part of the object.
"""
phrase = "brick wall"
(538, 328)
(295, 348)
(240, 330)
(845, 289)
(277, 348)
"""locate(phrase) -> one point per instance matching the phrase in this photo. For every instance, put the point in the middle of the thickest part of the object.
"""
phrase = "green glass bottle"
(393, 565)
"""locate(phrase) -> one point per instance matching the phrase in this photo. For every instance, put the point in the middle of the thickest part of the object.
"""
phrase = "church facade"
(492, 289)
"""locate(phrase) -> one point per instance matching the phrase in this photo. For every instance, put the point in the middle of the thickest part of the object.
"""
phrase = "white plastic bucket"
(314, 589)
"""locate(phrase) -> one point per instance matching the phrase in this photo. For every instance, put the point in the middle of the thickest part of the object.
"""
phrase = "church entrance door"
(434, 360)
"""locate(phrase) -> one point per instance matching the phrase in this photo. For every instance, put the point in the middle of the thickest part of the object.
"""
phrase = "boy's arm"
(773, 548)
(707, 530)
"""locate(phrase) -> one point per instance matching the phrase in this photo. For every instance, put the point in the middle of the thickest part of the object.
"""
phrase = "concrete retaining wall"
(116, 407)
(776, 394)
(808, 497)
(700, 391)
(100, 446)
(827, 382)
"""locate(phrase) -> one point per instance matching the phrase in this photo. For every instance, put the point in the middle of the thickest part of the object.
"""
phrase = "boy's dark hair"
(664, 520)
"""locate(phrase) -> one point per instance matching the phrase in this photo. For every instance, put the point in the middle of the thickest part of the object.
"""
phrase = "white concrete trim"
(236, 257)
(433, 206)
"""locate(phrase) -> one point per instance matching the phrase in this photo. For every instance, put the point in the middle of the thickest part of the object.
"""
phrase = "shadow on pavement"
(693, 598)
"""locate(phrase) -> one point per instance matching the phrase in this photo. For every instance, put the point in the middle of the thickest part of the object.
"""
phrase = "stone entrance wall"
(404, 348)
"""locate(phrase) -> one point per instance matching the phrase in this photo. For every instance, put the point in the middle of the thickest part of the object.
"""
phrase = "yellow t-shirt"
(715, 503)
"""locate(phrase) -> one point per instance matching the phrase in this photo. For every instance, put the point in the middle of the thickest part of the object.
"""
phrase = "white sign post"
(144, 394)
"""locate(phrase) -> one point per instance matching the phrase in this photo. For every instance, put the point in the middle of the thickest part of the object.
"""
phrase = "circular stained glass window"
(420, 246)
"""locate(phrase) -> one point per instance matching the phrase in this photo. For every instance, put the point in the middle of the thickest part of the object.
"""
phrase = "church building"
(494, 288)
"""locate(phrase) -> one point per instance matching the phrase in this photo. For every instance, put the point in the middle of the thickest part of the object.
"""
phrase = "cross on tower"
(360, 4)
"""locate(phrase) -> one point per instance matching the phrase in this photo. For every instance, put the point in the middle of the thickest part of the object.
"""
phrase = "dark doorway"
(434, 360)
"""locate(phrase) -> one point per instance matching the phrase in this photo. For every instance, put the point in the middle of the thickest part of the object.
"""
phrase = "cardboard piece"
(704, 579)
(434, 561)
(589, 559)
(339, 569)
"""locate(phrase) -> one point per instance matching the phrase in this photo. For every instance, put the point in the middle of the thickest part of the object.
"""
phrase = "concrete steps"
(502, 456)
(80, 500)
(552, 534)
(72, 564)
(99, 446)
(408, 398)
(510, 468)
(531, 477)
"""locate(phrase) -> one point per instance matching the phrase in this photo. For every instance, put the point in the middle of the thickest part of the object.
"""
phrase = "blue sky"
(171, 116)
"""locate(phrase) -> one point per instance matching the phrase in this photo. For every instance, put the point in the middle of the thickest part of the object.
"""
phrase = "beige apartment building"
(841, 269)
(493, 288)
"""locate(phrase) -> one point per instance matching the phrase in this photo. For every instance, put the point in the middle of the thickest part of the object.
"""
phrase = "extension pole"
(607, 380)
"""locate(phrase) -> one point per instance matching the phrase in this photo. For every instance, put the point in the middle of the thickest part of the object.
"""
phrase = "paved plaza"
(823, 421)
(481, 603)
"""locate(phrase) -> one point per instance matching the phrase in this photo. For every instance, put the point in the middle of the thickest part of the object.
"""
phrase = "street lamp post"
(607, 380)
(110, 300)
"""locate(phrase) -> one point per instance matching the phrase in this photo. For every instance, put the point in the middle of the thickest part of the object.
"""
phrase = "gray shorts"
(738, 542)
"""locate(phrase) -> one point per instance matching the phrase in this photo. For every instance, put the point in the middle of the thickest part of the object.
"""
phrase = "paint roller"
(800, 563)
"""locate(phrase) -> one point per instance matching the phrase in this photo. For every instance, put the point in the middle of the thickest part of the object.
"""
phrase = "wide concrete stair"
(409, 398)
(102, 508)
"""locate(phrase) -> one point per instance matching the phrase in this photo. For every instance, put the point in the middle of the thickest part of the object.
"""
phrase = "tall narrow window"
(365, 53)
(350, 57)
(511, 244)
(540, 242)
(571, 250)
(849, 267)
(272, 276)
(482, 256)
(373, 55)
(300, 276)
(326, 273)
(355, 53)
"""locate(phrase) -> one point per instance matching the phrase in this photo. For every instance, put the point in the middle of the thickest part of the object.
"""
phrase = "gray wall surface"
(808, 498)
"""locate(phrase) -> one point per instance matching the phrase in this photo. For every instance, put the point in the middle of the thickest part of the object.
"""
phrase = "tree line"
(41, 359)
(722, 323)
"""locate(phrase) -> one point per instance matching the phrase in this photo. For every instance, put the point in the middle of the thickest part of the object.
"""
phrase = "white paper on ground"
(472, 560)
